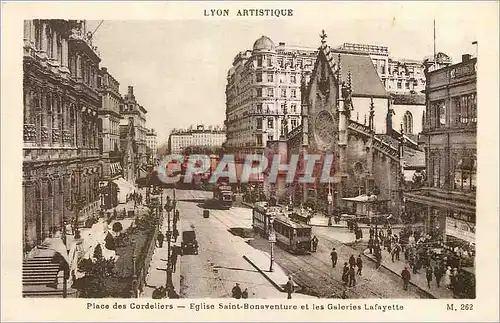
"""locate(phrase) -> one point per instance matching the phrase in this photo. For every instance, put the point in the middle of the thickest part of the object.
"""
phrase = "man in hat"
(334, 257)
(405, 275)
(236, 291)
(289, 287)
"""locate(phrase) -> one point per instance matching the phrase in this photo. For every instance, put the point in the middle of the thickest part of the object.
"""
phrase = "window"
(438, 114)
(407, 85)
(270, 137)
(290, 63)
(269, 61)
(293, 123)
(294, 93)
(436, 172)
(293, 108)
(408, 123)
(270, 77)
(280, 62)
(259, 92)
(465, 109)
(283, 93)
(399, 84)
(259, 77)
(259, 61)
(465, 174)
(382, 66)
(259, 123)
(270, 92)
(270, 123)
(259, 139)
(415, 83)
(259, 106)
(283, 108)
(293, 78)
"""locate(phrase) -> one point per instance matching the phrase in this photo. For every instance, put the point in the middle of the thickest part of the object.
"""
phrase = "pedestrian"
(428, 275)
(352, 261)
(236, 291)
(334, 257)
(245, 293)
(370, 244)
(438, 273)
(314, 243)
(405, 275)
(289, 287)
(378, 257)
(352, 277)
(176, 234)
(345, 273)
(359, 263)
(344, 294)
(447, 279)
(160, 239)
(453, 280)
(173, 258)
(372, 232)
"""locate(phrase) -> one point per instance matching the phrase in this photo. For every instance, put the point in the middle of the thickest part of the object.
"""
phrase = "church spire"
(372, 115)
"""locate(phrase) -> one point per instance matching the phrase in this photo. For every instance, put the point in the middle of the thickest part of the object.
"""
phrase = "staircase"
(40, 277)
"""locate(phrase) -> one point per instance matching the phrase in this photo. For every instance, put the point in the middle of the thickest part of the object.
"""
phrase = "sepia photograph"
(250, 152)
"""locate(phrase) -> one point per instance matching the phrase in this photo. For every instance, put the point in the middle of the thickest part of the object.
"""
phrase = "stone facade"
(61, 168)
(448, 200)
(365, 160)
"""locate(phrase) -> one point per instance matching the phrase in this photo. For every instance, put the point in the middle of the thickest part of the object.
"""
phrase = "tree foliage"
(96, 271)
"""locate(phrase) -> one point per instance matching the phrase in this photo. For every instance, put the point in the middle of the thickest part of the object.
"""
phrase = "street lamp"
(168, 207)
(272, 240)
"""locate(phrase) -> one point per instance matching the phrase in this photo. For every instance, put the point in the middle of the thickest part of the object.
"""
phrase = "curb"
(277, 286)
(411, 283)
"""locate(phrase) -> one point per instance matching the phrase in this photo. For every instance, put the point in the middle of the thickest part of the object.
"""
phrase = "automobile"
(206, 213)
(189, 244)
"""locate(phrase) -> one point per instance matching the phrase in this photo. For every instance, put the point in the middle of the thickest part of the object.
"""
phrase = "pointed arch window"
(408, 123)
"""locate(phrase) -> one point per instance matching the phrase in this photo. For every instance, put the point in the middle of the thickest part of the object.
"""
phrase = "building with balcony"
(263, 84)
(447, 202)
(201, 136)
(61, 169)
(152, 142)
(61, 103)
(109, 139)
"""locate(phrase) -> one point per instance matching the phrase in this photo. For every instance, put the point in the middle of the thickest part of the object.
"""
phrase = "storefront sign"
(463, 70)
(460, 229)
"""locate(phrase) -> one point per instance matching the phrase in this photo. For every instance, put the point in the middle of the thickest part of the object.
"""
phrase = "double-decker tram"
(292, 236)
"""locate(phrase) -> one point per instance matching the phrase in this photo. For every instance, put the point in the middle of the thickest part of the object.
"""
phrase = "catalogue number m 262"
(462, 307)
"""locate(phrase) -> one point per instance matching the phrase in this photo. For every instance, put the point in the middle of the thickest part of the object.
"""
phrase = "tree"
(96, 270)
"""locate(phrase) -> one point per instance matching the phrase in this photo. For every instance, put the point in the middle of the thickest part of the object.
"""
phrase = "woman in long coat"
(446, 278)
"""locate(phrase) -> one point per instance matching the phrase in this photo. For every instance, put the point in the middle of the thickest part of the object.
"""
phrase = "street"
(219, 264)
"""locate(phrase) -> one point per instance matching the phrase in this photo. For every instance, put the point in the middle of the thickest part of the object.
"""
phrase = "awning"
(115, 168)
(439, 202)
(124, 185)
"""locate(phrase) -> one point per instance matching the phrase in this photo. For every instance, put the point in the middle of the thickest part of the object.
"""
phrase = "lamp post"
(168, 208)
(272, 240)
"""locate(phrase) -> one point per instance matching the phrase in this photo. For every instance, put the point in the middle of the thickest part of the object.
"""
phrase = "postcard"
(250, 161)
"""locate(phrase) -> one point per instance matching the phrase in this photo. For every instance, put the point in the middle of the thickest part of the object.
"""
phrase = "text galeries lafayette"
(299, 168)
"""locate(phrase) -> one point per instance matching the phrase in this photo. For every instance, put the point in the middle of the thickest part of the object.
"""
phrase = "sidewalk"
(157, 273)
(418, 280)
(278, 277)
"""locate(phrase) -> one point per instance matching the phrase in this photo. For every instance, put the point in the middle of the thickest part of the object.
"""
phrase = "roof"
(413, 158)
(286, 220)
(365, 80)
(264, 43)
(408, 99)
(365, 199)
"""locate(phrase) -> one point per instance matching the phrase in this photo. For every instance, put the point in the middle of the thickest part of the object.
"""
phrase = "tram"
(291, 236)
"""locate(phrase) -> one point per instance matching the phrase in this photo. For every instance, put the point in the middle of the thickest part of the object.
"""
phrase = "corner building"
(262, 86)
(61, 168)
(448, 201)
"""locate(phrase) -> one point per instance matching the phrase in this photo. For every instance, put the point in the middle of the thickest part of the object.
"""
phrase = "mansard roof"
(365, 80)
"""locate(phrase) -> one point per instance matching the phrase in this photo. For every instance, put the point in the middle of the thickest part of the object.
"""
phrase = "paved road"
(220, 264)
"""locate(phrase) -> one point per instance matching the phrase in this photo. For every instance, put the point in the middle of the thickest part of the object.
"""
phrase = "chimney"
(465, 57)
(281, 44)
(130, 91)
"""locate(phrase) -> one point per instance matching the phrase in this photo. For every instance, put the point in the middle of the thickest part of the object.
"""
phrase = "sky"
(178, 67)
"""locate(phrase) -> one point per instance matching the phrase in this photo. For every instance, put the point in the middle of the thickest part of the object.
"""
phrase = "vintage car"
(206, 213)
(189, 243)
